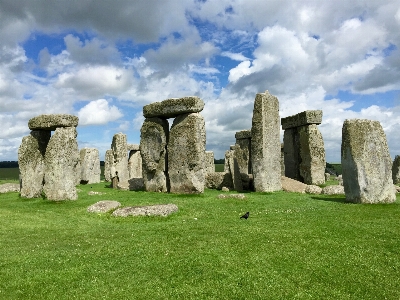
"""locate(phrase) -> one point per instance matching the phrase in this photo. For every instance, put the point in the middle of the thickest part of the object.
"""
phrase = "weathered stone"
(132, 147)
(333, 190)
(173, 107)
(218, 180)
(339, 178)
(120, 152)
(104, 206)
(136, 184)
(282, 160)
(53, 121)
(265, 144)
(31, 163)
(9, 187)
(186, 150)
(92, 193)
(235, 171)
(301, 119)
(313, 189)
(366, 163)
(90, 165)
(232, 147)
(209, 166)
(108, 162)
(327, 176)
(242, 154)
(243, 134)
(396, 170)
(312, 153)
(225, 189)
(154, 137)
(226, 162)
(291, 149)
(231, 196)
(135, 164)
(150, 210)
(293, 186)
(61, 165)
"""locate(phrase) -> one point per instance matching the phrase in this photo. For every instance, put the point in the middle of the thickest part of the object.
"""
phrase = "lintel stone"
(53, 121)
(306, 117)
(173, 107)
(243, 134)
(133, 147)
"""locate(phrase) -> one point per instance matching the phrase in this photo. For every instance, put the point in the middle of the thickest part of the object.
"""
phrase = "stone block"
(53, 121)
(243, 134)
(154, 136)
(132, 147)
(304, 118)
(291, 151)
(135, 164)
(120, 153)
(108, 163)
(218, 180)
(265, 143)
(242, 155)
(90, 165)
(186, 149)
(396, 170)
(234, 171)
(366, 163)
(209, 166)
(173, 107)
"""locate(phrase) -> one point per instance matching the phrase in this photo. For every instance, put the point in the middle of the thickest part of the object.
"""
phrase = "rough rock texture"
(226, 164)
(327, 176)
(243, 151)
(312, 153)
(396, 170)
(209, 166)
(340, 179)
(293, 186)
(151, 210)
(225, 189)
(136, 184)
(186, 150)
(135, 164)
(282, 160)
(103, 206)
(51, 122)
(154, 136)
(173, 107)
(108, 162)
(31, 163)
(243, 134)
(304, 118)
(366, 163)
(231, 196)
(333, 190)
(90, 165)
(234, 171)
(313, 189)
(291, 149)
(120, 152)
(132, 147)
(265, 143)
(62, 165)
(9, 187)
(218, 180)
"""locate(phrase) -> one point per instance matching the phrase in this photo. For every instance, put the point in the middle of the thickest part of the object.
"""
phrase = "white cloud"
(98, 112)
(234, 56)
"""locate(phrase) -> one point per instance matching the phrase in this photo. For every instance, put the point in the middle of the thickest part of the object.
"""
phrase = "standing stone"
(120, 153)
(366, 163)
(108, 163)
(61, 165)
(265, 143)
(186, 150)
(31, 162)
(396, 170)
(327, 177)
(90, 165)
(154, 137)
(282, 160)
(234, 170)
(292, 159)
(243, 151)
(226, 162)
(135, 162)
(209, 166)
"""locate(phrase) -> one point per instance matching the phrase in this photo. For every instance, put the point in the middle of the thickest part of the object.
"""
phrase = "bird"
(245, 216)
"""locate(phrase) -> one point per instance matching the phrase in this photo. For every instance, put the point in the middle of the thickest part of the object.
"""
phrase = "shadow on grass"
(339, 199)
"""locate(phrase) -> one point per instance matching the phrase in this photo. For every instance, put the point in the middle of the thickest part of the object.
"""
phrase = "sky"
(104, 60)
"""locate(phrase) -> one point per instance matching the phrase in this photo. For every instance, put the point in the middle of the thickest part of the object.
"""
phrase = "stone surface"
(293, 186)
(327, 176)
(136, 184)
(234, 171)
(108, 162)
(225, 189)
(366, 163)
(209, 166)
(396, 170)
(53, 121)
(226, 164)
(218, 180)
(154, 136)
(291, 149)
(132, 147)
(243, 134)
(135, 164)
(304, 118)
(312, 153)
(103, 206)
(333, 190)
(61, 165)
(313, 189)
(31, 163)
(90, 165)
(151, 210)
(120, 153)
(9, 187)
(242, 154)
(282, 160)
(265, 143)
(173, 107)
(186, 149)
(231, 196)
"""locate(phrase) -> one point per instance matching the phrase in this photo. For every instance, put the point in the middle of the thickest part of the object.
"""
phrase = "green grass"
(219, 167)
(9, 174)
(293, 246)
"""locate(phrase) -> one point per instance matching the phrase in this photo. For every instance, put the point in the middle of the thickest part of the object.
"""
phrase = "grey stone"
(135, 164)
(90, 165)
(396, 170)
(62, 165)
(9, 187)
(265, 143)
(108, 163)
(154, 136)
(242, 154)
(132, 147)
(225, 189)
(218, 180)
(243, 134)
(292, 158)
(173, 107)
(53, 121)
(235, 171)
(31, 163)
(136, 184)
(120, 152)
(366, 163)
(231, 196)
(186, 149)
(313, 189)
(104, 206)
(232, 147)
(327, 176)
(282, 160)
(209, 166)
(304, 118)
(293, 186)
(226, 164)
(333, 190)
(150, 210)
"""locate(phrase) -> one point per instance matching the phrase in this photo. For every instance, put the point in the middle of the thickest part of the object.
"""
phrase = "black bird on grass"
(245, 216)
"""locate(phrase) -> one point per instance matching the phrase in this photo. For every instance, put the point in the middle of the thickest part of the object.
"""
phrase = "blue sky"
(104, 60)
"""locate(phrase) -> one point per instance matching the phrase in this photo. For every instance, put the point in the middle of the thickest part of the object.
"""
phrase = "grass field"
(9, 173)
(293, 246)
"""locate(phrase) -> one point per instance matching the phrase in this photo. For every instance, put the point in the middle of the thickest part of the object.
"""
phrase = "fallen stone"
(304, 118)
(53, 121)
(313, 189)
(151, 210)
(333, 190)
(224, 189)
(231, 196)
(218, 180)
(9, 187)
(92, 193)
(103, 206)
(293, 186)
(173, 107)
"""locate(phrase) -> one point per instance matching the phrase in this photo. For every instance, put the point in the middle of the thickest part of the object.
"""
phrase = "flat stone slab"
(293, 186)
(243, 134)
(333, 190)
(132, 147)
(53, 121)
(150, 210)
(313, 189)
(231, 196)
(173, 107)
(304, 118)
(9, 187)
(103, 206)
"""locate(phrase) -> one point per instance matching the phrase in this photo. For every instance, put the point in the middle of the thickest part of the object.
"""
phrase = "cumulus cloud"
(98, 112)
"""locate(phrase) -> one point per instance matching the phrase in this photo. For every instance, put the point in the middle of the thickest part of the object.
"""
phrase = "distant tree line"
(8, 164)
(219, 161)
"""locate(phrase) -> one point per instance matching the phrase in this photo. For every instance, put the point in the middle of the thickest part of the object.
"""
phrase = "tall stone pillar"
(120, 152)
(108, 163)
(134, 162)
(90, 165)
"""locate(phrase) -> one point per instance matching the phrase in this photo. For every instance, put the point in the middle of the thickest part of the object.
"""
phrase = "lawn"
(293, 246)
